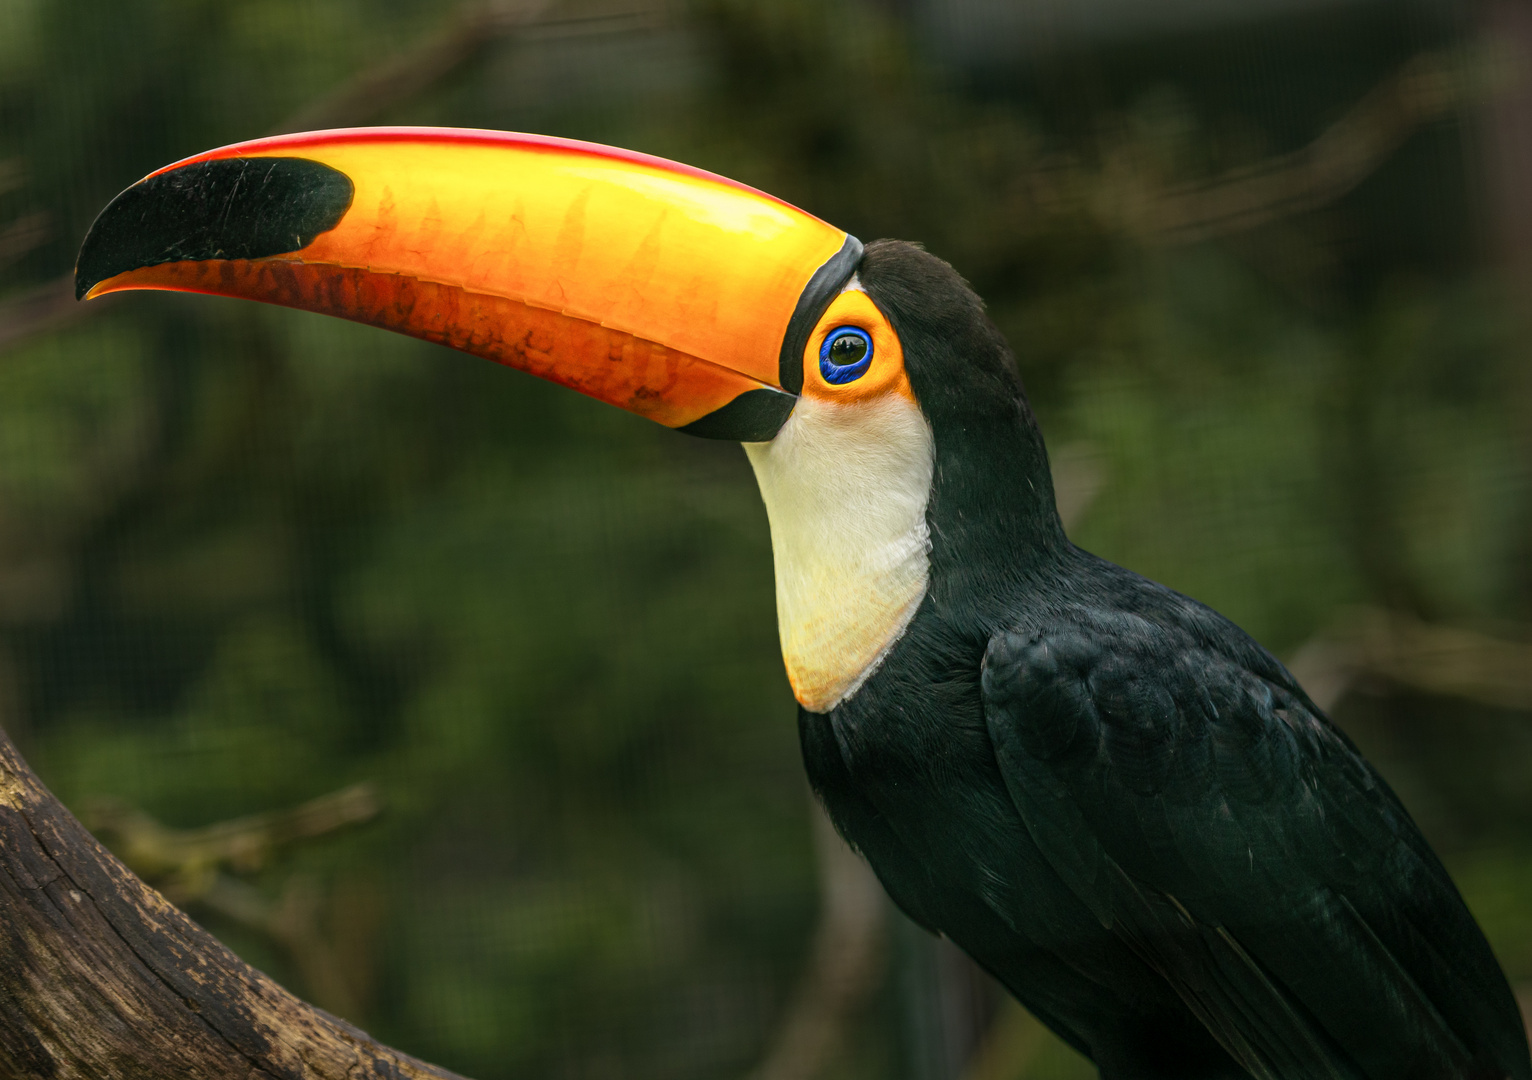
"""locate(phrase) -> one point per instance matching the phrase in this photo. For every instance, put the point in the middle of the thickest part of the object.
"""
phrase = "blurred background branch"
(843, 966)
(38, 310)
(395, 80)
(21, 236)
(182, 862)
(1128, 196)
(474, 30)
(1371, 645)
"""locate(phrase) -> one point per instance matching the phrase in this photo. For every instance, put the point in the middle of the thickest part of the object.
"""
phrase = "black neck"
(993, 521)
(994, 526)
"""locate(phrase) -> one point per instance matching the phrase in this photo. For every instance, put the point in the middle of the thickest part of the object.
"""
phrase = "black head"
(992, 509)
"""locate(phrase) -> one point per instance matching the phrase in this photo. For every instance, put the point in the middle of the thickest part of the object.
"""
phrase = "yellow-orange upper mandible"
(666, 253)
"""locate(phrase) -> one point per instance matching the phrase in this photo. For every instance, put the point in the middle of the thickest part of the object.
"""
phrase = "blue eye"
(846, 355)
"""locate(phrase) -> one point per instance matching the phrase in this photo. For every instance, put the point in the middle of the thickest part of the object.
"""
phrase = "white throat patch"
(845, 488)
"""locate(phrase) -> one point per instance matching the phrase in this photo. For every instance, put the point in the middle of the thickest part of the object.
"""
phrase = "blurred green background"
(1266, 269)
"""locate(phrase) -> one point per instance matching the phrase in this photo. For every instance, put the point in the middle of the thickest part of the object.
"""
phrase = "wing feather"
(1217, 823)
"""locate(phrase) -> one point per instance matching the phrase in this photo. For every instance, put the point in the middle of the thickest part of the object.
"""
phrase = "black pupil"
(847, 349)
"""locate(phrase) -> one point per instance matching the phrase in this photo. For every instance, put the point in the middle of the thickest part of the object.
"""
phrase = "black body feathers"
(1120, 804)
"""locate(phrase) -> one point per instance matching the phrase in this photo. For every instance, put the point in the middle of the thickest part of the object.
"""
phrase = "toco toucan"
(1110, 796)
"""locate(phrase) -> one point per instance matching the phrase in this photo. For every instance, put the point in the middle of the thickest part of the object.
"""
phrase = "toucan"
(1106, 793)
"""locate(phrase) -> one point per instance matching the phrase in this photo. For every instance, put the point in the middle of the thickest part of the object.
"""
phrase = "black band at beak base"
(754, 416)
(827, 281)
(757, 415)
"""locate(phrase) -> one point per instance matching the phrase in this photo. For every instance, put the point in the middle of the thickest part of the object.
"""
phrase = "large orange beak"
(671, 292)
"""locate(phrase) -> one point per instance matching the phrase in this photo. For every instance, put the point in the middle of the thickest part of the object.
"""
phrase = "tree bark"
(101, 978)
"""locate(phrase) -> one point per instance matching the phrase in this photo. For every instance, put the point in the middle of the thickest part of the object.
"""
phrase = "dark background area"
(1266, 269)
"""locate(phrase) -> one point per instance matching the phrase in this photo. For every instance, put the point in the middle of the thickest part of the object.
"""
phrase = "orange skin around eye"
(886, 375)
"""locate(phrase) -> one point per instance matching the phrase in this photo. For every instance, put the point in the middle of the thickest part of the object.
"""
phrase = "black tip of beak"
(229, 208)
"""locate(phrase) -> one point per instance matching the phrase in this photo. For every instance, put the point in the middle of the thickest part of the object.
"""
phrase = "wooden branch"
(102, 979)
